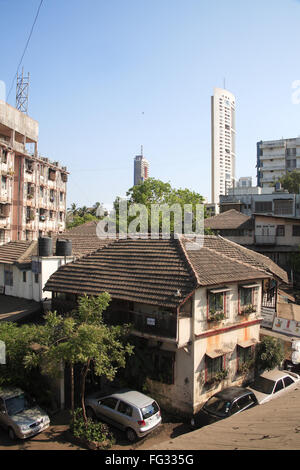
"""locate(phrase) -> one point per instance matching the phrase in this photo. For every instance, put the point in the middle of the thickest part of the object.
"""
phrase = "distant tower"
(22, 93)
(141, 168)
(223, 142)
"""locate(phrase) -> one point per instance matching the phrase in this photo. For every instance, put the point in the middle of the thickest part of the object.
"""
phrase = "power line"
(26, 46)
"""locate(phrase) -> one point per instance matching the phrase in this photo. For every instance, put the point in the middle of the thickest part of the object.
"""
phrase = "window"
(109, 402)
(244, 354)
(213, 366)
(280, 231)
(216, 302)
(288, 381)
(24, 276)
(283, 207)
(3, 183)
(263, 206)
(124, 409)
(8, 278)
(36, 278)
(245, 296)
(163, 367)
(296, 230)
(279, 386)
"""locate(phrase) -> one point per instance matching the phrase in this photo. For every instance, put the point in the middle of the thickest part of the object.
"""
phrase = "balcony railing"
(163, 324)
(265, 239)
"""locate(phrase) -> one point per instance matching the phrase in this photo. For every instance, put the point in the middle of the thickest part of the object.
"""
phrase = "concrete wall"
(20, 122)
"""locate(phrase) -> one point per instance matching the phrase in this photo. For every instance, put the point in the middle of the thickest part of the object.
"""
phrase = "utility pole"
(22, 92)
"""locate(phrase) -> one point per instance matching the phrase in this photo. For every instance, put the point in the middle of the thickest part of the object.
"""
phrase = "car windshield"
(263, 385)
(150, 410)
(217, 405)
(16, 404)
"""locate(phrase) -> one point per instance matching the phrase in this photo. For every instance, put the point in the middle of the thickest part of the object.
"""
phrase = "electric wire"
(26, 47)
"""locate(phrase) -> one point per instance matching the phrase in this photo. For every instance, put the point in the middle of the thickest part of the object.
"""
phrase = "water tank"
(64, 248)
(45, 246)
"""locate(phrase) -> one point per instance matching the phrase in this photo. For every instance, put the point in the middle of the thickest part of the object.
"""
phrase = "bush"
(91, 431)
(269, 354)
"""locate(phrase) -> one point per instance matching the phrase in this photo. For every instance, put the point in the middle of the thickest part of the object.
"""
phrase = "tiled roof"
(149, 271)
(152, 271)
(84, 239)
(229, 220)
(15, 252)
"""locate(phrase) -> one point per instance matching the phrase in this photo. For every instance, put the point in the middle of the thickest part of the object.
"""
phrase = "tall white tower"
(223, 142)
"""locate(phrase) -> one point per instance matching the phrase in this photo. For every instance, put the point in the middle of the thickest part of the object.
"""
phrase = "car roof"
(231, 393)
(133, 397)
(274, 374)
(9, 392)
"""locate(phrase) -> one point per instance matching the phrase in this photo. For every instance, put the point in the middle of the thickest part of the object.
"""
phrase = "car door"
(124, 414)
(106, 408)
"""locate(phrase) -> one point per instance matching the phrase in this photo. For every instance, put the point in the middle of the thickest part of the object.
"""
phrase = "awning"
(218, 352)
(220, 289)
(247, 343)
(250, 286)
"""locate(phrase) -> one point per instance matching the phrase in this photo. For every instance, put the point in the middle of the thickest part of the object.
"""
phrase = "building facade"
(141, 169)
(223, 142)
(275, 158)
(33, 189)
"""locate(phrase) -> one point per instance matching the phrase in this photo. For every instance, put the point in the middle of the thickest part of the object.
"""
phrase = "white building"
(141, 169)
(275, 158)
(223, 142)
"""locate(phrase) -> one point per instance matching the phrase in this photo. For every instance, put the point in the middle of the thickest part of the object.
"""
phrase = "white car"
(128, 410)
(18, 416)
(273, 384)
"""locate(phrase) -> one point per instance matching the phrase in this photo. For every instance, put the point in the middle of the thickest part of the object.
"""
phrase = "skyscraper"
(223, 142)
(141, 169)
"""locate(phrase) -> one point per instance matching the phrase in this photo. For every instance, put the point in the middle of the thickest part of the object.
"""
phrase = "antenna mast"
(22, 92)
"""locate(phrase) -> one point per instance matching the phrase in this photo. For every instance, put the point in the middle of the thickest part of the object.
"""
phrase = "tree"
(153, 192)
(81, 338)
(291, 182)
(269, 353)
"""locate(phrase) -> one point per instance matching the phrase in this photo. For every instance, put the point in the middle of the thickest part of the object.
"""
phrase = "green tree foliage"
(80, 215)
(156, 192)
(291, 182)
(269, 353)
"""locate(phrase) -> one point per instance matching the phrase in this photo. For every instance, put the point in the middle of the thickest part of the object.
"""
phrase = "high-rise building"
(275, 158)
(223, 142)
(32, 188)
(141, 169)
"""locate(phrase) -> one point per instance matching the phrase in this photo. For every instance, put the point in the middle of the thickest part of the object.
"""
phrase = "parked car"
(227, 402)
(19, 415)
(274, 383)
(128, 410)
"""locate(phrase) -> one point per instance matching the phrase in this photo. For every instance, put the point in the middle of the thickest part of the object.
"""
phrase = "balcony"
(162, 324)
(265, 239)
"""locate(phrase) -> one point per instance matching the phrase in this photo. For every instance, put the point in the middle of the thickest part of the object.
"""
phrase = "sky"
(107, 76)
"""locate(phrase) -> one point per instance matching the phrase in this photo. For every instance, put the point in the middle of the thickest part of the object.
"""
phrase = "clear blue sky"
(108, 76)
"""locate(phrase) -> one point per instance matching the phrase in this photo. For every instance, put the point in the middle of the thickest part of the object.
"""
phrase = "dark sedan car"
(227, 402)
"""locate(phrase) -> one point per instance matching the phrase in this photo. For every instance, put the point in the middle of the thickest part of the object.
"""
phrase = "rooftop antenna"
(224, 83)
(22, 92)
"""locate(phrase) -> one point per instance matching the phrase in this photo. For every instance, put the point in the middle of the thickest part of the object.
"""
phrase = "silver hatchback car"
(128, 410)
(18, 416)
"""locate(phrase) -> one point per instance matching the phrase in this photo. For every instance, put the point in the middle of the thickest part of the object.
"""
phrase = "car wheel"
(131, 435)
(12, 434)
(91, 414)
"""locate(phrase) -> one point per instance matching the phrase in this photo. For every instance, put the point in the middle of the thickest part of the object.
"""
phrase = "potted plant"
(216, 316)
(248, 310)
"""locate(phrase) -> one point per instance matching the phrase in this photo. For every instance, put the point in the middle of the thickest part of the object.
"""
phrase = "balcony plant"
(248, 309)
(246, 366)
(217, 377)
(216, 316)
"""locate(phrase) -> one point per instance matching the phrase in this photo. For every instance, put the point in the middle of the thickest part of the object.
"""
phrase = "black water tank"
(45, 246)
(64, 248)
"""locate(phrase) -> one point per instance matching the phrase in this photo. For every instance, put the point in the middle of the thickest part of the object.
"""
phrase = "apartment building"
(33, 189)
(275, 158)
(223, 142)
(141, 169)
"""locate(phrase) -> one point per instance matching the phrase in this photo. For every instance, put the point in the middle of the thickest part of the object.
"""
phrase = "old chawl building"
(196, 314)
(32, 189)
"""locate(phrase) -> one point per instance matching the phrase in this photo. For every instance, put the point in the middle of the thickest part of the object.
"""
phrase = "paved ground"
(15, 309)
(272, 426)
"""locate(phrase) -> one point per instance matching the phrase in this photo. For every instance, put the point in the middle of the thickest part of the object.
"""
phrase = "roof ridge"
(184, 251)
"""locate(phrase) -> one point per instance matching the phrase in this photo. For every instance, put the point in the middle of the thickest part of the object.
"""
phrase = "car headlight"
(24, 427)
